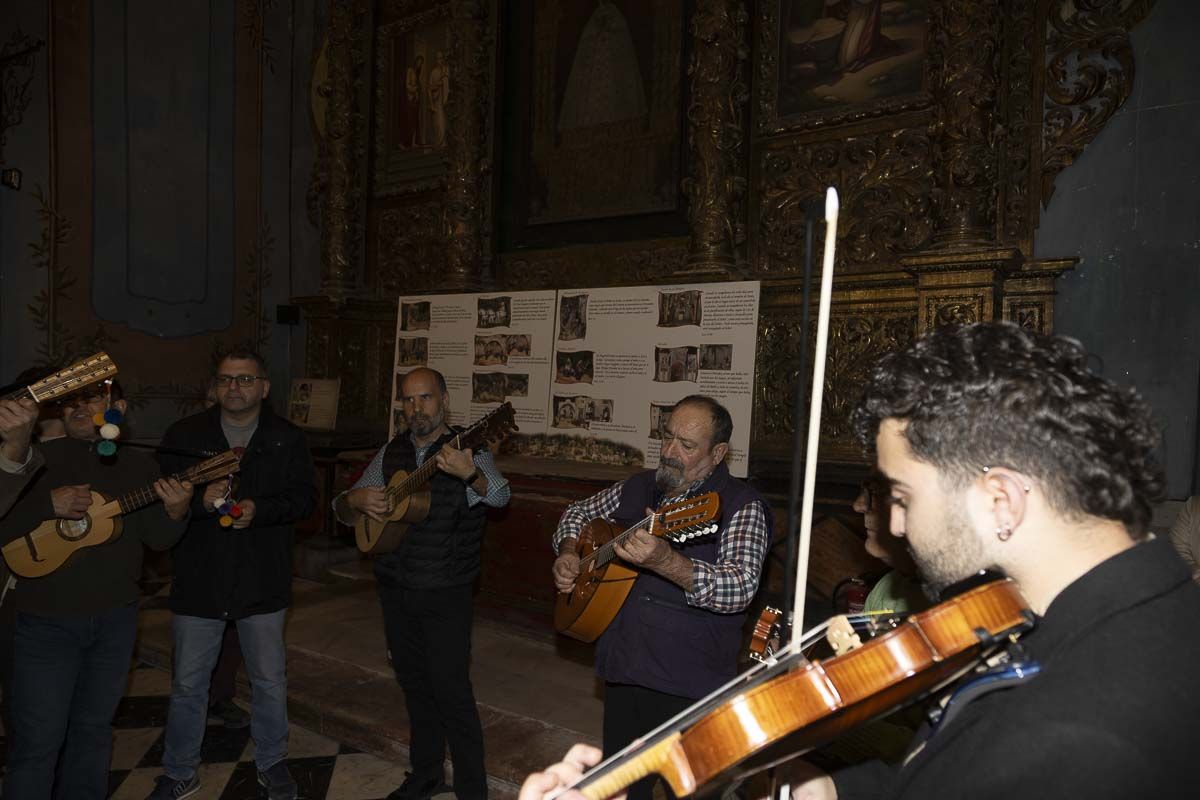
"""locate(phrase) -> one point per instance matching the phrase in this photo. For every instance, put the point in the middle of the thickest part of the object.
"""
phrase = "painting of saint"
(849, 52)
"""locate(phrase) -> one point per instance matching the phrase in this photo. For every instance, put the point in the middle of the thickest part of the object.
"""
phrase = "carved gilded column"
(715, 123)
(467, 102)
(965, 76)
(339, 274)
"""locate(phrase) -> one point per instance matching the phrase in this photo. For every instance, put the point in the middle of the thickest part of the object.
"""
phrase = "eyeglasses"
(242, 380)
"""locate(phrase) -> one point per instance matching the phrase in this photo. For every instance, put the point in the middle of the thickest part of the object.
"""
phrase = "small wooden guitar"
(602, 585)
(66, 381)
(407, 494)
(48, 546)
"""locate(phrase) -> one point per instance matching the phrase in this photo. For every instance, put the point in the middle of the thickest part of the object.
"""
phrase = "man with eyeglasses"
(74, 630)
(240, 573)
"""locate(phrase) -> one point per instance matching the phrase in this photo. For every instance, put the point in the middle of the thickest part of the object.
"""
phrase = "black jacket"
(1115, 712)
(228, 573)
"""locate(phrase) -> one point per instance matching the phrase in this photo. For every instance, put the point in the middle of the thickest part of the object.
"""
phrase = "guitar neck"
(140, 498)
(607, 552)
(19, 394)
(421, 475)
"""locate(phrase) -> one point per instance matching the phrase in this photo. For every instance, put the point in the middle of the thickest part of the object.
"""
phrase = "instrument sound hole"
(74, 529)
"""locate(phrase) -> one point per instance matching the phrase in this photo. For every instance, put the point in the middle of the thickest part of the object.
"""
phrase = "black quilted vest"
(444, 549)
(657, 640)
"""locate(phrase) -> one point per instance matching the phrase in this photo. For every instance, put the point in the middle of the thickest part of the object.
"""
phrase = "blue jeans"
(197, 645)
(68, 676)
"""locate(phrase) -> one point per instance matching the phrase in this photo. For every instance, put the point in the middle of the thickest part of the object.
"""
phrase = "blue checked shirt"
(727, 586)
(497, 495)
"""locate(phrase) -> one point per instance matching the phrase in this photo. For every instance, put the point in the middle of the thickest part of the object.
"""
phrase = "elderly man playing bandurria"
(676, 638)
(1004, 451)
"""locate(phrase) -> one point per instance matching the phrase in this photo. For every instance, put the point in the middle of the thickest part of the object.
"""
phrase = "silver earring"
(1003, 533)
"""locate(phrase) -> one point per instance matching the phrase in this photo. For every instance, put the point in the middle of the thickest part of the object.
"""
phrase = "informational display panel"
(624, 356)
(490, 348)
(591, 373)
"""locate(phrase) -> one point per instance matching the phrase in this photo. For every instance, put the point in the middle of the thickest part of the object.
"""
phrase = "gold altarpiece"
(941, 187)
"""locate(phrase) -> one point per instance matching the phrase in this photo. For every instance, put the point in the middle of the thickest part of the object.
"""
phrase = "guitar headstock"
(493, 428)
(73, 378)
(213, 468)
(689, 518)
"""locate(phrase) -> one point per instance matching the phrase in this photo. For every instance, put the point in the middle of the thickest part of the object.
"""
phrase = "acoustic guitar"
(66, 381)
(603, 584)
(409, 498)
(51, 544)
(775, 712)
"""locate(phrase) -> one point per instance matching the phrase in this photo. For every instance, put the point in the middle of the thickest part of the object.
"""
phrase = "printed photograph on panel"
(572, 317)
(601, 410)
(716, 356)
(487, 387)
(494, 312)
(491, 350)
(518, 344)
(676, 309)
(571, 411)
(573, 367)
(516, 384)
(676, 364)
(658, 418)
(412, 352)
(414, 316)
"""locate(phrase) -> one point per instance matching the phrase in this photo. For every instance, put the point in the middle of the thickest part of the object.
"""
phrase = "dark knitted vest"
(444, 549)
(657, 640)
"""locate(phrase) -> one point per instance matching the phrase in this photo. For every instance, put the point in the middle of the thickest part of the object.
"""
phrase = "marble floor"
(537, 695)
(323, 768)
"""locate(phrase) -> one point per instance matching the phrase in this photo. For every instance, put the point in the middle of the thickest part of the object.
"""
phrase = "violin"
(777, 711)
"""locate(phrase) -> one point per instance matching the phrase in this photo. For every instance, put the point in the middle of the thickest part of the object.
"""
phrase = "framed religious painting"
(828, 62)
(594, 95)
(413, 79)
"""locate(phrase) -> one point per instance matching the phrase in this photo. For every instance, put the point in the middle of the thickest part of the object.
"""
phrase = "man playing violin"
(1003, 451)
(676, 638)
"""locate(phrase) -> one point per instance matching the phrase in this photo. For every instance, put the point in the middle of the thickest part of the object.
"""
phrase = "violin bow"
(814, 409)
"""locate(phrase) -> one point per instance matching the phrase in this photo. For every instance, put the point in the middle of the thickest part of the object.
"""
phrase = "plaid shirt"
(497, 495)
(727, 586)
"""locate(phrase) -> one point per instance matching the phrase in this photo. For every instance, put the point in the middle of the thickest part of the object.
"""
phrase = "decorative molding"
(858, 336)
(1089, 74)
(1015, 219)
(716, 118)
(410, 251)
(345, 146)
(964, 56)
(466, 112)
(884, 182)
(615, 264)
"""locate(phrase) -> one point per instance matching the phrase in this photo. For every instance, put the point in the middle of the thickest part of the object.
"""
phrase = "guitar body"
(376, 538)
(48, 546)
(599, 591)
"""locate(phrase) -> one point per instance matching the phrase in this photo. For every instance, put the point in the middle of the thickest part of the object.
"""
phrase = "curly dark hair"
(994, 394)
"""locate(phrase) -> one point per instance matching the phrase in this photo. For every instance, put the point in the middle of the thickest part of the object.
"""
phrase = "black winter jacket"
(228, 573)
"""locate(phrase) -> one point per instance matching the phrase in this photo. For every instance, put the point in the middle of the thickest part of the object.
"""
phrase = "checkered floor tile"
(323, 769)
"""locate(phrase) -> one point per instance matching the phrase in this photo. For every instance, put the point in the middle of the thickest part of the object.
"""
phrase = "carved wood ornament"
(941, 184)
